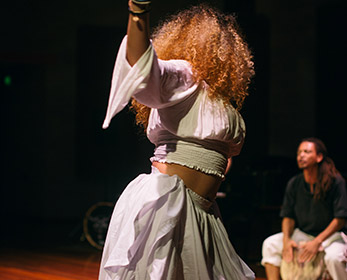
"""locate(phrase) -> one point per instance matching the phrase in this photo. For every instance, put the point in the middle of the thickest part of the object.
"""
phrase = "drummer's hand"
(288, 247)
(309, 250)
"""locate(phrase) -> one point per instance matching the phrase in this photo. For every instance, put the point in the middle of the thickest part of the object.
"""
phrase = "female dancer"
(166, 225)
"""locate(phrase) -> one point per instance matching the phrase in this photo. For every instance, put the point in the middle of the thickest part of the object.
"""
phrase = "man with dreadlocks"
(314, 213)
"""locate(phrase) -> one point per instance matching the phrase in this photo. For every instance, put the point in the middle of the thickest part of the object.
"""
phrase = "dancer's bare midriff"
(199, 182)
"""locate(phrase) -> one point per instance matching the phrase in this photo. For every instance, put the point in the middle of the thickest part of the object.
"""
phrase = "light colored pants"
(334, 247)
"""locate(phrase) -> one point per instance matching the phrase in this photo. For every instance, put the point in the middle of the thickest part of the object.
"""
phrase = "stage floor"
(73, 262)
(59, 263)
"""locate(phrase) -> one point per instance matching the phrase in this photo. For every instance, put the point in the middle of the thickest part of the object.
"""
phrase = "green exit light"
(7, 80)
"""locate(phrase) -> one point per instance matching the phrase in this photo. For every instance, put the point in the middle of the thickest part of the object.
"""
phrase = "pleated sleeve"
(153, 82)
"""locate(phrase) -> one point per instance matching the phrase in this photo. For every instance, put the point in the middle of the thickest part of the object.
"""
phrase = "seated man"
(314, 210)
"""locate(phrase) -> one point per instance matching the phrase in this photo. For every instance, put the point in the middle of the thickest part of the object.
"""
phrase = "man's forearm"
(288, 225)
(335, 225)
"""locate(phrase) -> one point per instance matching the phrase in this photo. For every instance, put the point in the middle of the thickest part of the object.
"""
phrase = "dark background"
(56, 61)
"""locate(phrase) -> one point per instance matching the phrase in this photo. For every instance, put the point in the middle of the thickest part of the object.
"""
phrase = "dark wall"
(23, 139)
(109, 157)
(331, 62)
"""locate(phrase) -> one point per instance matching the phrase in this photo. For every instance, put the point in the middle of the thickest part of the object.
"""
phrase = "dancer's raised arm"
(138, 29)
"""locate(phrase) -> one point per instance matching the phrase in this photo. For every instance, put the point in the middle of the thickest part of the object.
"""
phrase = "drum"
(315, 269)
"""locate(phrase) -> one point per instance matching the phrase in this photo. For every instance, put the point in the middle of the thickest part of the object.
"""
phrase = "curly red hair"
(211, 42)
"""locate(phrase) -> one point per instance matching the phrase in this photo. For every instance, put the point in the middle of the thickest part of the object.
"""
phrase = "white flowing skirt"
(162, 230)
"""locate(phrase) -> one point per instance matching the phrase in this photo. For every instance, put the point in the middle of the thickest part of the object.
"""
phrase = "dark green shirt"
(313, 216)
